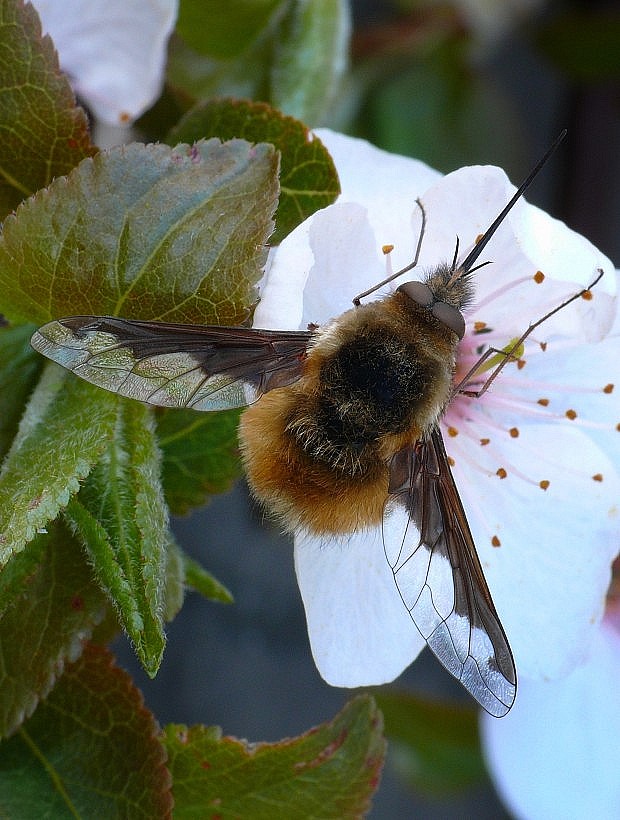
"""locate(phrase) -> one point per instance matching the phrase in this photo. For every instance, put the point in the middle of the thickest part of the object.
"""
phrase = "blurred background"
(452, 84)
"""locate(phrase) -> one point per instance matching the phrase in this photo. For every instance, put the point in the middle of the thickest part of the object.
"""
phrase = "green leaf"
(583, 44)
(435, 747)
(175, 579)
(203, 582)
(146, 232)
(310, 58)
(20, 368)
(223, 28)
(44, 133)
(46, 622)
(192, 77)
(49, 457)
(330, 772)
(90, 750)
(121, 519)
(308, 176)
(200, 455)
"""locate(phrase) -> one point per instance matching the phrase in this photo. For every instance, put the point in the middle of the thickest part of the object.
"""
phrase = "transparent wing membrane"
(440, 579)
(174, 365)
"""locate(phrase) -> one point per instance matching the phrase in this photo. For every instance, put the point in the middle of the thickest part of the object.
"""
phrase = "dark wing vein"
(440, 578)
(205, 367)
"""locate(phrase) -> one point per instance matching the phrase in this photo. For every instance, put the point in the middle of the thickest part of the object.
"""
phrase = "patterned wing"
(172, 365)
(440, 579)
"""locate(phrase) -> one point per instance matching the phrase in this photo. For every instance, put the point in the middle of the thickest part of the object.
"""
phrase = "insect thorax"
(383, 376)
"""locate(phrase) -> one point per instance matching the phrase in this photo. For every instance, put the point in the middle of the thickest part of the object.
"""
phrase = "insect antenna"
(465, 268)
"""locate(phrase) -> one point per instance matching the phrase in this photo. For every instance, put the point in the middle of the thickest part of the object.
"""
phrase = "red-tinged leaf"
(90, 750)
(329, 772)
(50, 606)
(44, 133)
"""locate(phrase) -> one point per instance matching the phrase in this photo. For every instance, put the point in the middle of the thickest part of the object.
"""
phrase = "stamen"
(609, 388)
(495, 541)
(491, 297)
(514, 432)
(571, 414)
(453, 432)
(501, 473)
(544, 484)
(543, 402)
(598, 477)
(539, 277)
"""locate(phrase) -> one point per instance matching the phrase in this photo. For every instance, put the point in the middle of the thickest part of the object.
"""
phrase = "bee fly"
(342, 430)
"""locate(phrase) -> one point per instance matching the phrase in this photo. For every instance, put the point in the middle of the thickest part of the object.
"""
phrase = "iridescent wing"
(440, 579)
(203, 367)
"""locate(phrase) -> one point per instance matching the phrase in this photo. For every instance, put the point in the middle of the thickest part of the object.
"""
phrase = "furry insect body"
(375, 380)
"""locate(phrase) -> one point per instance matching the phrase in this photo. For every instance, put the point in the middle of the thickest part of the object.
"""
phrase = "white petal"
(336, 245)
(337, 252)
(359, 629)
(114, 52)
(555, 754)
(550, 575)
(464, 204)
(387, 185)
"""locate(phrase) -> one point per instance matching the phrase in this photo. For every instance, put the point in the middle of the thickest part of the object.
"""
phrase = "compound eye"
(419, 292)
(450, 317)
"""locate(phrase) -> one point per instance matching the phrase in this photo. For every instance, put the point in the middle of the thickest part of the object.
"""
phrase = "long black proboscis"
(469, 260)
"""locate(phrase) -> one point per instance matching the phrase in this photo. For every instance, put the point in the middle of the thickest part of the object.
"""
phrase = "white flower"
(114, 51)
(557, 523)
(555, 755)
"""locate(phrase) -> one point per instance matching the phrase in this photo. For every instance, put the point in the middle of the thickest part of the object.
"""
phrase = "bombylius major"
(345, 429)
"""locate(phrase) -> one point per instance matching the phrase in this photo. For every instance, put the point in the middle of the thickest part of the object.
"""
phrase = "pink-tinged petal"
(359, 629)
(114, 52)
(536, 463)
(550, 567)
(555, 755)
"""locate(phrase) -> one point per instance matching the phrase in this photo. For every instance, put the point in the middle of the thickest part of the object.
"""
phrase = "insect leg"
(410, 266)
